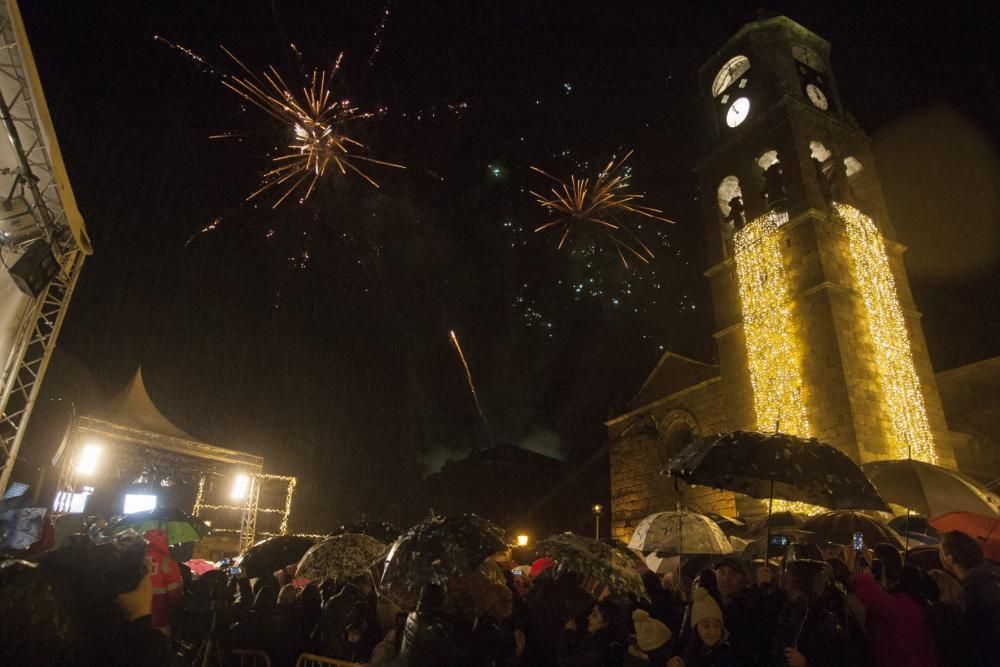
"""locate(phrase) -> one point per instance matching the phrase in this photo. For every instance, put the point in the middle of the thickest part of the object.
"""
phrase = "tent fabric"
(133, 407)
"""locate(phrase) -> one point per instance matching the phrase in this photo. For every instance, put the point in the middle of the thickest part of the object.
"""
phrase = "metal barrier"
(251, 658)
(310, 660)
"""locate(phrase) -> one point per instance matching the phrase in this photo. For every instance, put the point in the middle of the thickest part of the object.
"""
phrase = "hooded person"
(651, 642)
(164, 578)
(709, 645)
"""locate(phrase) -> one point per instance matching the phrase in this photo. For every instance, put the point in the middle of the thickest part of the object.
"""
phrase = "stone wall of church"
(642, 442)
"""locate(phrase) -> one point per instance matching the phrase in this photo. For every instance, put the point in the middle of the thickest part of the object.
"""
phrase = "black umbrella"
(441, 548)
(839, 527)
(273, 554)
(383, 531)
(777, 465)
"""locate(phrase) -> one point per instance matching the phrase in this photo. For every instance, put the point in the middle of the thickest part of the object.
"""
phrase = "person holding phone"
(898, 607)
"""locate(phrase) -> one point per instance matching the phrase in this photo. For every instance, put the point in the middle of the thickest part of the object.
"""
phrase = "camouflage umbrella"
(590, 558)
(435, 551)
(342, 556)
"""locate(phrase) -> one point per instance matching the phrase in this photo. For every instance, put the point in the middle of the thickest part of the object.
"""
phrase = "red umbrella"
(986, 529)
(200, 567)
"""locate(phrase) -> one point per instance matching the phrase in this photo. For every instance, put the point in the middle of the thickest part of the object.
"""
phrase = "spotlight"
(522, 540)
(86, 461)
(241, 487)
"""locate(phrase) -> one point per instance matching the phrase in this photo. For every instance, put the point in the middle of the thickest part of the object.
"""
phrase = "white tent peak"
(133, 407)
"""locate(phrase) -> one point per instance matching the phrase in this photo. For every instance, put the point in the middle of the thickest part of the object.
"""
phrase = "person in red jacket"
(897, 619)
(164, 577)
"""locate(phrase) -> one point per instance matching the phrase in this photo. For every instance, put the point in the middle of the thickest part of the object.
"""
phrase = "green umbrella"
(180, 527)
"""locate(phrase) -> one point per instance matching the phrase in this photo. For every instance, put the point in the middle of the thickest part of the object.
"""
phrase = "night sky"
(316, 334)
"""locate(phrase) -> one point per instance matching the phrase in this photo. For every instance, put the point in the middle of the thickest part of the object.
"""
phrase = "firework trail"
(377, 34)
(472, 386)
(603, 207)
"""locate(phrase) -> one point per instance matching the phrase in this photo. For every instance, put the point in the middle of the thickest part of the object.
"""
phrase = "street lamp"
(522, 540)
(597, 510)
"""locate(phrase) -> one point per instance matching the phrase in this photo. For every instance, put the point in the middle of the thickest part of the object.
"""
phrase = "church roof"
(134, 408)
(673, 373)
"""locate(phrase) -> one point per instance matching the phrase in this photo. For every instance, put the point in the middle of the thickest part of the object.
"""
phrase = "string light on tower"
(893, 355)
(774, 355)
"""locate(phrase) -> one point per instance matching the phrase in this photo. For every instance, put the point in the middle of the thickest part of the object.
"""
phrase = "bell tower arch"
(817, 330)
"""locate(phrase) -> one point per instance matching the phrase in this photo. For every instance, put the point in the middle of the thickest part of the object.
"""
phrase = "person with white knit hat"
(708, 646)
(650, 643)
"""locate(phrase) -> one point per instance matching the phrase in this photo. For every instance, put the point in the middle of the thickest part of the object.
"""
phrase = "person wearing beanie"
(650, 644)
(709, 645)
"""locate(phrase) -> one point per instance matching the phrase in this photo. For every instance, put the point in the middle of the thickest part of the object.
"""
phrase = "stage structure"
(43, 240)
(128, 451)
(250, 507)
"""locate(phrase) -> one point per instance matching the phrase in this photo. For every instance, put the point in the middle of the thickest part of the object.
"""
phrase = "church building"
(817, 331)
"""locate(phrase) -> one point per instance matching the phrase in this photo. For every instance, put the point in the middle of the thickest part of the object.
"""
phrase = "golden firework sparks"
(318, 125)
(602, 207)
(472, 386)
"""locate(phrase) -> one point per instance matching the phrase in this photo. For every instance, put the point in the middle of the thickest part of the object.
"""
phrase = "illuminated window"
(728, 188)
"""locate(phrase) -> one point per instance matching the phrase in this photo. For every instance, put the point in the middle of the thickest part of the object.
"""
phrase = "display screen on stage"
(135, 502)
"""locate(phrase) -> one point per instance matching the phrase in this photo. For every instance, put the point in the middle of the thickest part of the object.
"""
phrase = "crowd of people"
(92, 603)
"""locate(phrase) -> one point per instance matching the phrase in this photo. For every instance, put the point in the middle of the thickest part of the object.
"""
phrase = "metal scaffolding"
(39, 326)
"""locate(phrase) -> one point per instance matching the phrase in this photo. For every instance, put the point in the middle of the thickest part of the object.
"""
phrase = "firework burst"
(317, 122)
(602, 207)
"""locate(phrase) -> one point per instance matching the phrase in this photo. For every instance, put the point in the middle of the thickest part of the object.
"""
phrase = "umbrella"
(272, 554)
(755, 548)
(383, 531)
(441, 548)
(680, 533)
(779, 521)
(925, 557)
(839, 527)
(728, 524)
(986, 529)
(200, 567)
(180, 527)
(347, 556)
(929, 489)
(777, 465)
(635, 555)
(589, 558)
(913, 523)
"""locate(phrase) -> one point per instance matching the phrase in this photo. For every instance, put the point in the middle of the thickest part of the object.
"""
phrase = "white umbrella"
(679, 533)
(929, 489)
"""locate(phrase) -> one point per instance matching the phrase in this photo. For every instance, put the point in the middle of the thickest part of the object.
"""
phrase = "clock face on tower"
(731, 91)
(817, 96)
(738, 111)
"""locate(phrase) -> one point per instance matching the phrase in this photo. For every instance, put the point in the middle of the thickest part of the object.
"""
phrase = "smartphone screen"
(859, 543)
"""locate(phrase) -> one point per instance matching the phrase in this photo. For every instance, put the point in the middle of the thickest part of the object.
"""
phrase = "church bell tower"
(816, 327)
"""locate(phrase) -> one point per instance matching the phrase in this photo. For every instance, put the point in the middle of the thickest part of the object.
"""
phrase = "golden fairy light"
(318, 125)
(774, 352)
(893, 355)
(602, 207)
